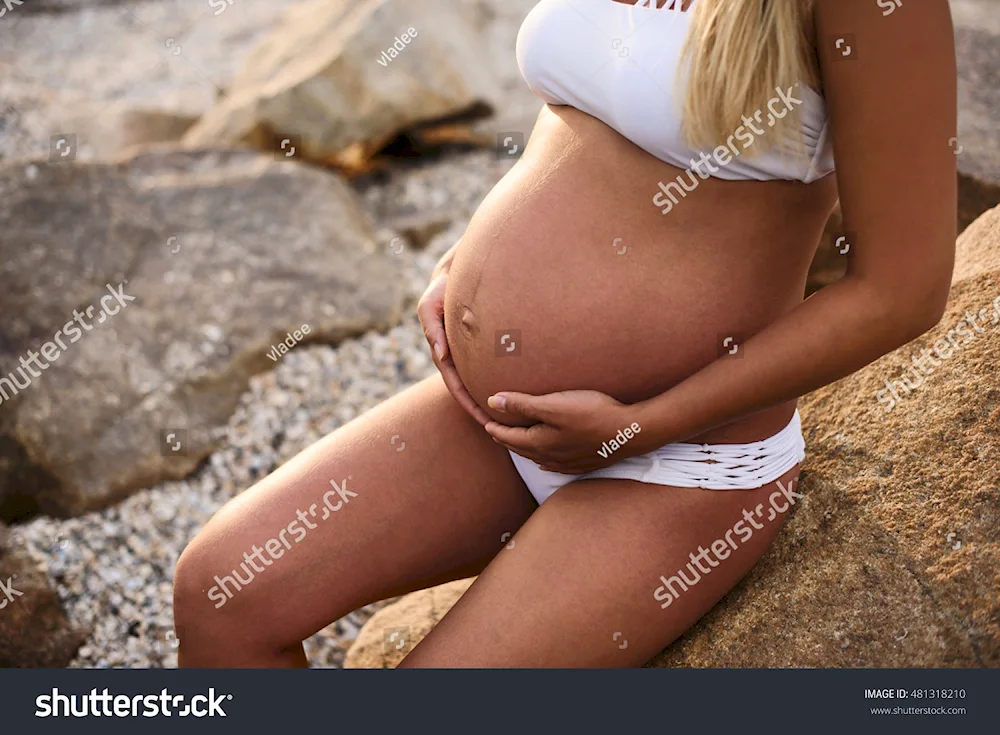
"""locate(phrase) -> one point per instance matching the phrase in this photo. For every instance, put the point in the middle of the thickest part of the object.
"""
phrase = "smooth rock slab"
(224, 252)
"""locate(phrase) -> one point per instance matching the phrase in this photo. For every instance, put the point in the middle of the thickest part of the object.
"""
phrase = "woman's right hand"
(430, 310)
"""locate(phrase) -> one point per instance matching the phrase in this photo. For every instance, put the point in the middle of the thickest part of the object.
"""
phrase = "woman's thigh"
(425, 495)
(582, 587)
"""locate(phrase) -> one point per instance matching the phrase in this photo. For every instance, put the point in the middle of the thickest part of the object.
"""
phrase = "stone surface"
(317, 80)
(181, 56)
(110, 132)
(394, 630)
(978, 249)
(34, 630)
(892, 559)
(224, 252)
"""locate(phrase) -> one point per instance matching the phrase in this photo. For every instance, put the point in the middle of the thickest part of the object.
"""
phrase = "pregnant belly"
(569, 278)
(540, 311)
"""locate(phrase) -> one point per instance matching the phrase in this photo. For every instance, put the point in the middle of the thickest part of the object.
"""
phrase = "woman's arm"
(892, 107)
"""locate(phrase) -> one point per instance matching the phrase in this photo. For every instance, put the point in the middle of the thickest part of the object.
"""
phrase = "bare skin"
(538, 256)
(583, 567)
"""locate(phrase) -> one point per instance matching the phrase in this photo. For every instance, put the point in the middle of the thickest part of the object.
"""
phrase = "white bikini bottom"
(709, 466)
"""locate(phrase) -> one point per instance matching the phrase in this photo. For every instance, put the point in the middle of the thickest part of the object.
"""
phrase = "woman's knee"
(196, 607)
(211, 598)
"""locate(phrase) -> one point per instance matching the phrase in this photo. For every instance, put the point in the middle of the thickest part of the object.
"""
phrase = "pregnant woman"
(612, 440)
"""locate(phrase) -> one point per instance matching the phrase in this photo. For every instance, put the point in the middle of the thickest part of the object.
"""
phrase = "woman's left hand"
(573, 426)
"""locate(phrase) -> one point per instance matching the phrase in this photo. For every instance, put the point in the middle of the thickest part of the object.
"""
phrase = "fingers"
(539, 408)
(430, 311)
(539, 444)
(460, 393)
(520, 439)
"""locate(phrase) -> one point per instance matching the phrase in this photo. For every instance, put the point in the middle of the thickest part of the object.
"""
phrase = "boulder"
(337, 79)
(892, 559)
(179, 56)
(34, 630)
(216, 257)
(393, 631)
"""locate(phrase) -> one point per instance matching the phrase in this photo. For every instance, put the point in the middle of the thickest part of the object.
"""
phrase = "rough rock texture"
(317, 80)
(893, 558)
(224, 252)
(394, 630)
(978, 249)
(34, 630)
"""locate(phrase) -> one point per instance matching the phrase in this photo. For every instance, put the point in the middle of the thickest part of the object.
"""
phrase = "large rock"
(393, 631)
(892, 559)
(224, 252)
(180, 56)
(317, 80)
(34, 630)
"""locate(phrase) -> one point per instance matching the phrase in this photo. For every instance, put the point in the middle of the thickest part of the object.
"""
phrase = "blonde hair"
(739, 51)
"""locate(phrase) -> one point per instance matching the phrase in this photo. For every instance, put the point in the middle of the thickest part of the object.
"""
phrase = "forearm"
(829, 336)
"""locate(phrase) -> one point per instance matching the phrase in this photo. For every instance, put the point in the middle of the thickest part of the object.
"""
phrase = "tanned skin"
(585, 565)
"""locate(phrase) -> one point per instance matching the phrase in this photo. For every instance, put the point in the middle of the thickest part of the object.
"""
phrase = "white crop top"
(617, 62)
